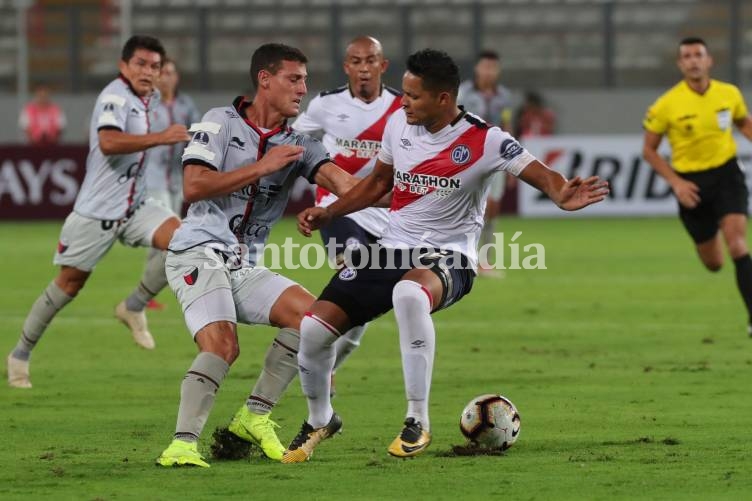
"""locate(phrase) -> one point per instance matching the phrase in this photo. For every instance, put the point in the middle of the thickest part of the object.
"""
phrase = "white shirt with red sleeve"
(441, 180)
(352, 136)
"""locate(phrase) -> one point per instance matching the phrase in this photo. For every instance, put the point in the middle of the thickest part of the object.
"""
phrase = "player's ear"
(121, 66)
(384, 65)
(445, 98)
(263, 79)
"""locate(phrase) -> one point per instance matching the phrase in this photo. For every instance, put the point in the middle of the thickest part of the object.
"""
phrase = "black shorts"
(723, 190)
(340, 233)
(365, 292)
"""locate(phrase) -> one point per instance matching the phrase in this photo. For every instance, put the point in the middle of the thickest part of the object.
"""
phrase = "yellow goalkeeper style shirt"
(698, 126)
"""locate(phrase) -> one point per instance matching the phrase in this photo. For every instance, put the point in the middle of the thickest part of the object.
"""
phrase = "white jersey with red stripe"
(441, 181)
(352, 136)
(114, 184)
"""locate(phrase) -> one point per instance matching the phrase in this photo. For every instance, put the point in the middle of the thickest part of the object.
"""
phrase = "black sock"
(744, 280)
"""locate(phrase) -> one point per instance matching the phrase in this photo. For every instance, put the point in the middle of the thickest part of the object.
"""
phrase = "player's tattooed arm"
(368, 192)
(201, 182)
(572, 194)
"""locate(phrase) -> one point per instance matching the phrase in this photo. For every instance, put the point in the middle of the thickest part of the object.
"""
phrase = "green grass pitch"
(629, 363)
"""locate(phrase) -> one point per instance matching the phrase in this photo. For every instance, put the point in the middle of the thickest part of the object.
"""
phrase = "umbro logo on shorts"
(61, 247)
(191, 277)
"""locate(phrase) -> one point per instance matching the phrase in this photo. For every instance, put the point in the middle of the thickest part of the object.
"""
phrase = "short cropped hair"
(437, 70)
(269, 57)
(142, 42)
(488, 54)
(692, 41)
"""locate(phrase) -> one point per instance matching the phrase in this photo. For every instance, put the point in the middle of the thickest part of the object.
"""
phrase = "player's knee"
(221, 344)
(409, 296)
(228, 349)
(71, 285)
(713, 265)
(738, 248)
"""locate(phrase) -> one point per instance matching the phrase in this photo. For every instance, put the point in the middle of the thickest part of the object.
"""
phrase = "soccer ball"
(491, 421)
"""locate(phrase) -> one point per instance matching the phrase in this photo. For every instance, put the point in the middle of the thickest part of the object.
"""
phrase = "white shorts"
(498, 182)
(84, 241)
(168, 199)
(210, 293)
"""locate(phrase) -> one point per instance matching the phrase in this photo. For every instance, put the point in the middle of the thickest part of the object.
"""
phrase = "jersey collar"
(241, 104)
(356, 98)
(143, 99)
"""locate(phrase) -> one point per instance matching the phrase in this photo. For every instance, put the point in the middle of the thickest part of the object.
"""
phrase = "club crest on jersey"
(348, 274)
(460, 154)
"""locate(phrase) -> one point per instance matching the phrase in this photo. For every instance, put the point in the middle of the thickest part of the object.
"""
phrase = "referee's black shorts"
(723, 190)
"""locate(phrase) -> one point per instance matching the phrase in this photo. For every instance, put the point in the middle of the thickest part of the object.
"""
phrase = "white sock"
(412, 307)
(347, 343)
(315, 362)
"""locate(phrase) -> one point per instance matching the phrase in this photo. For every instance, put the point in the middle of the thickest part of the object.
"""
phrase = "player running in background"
(486, 97)
(352, 118)
(164, 169)
(239, 169)
(111, 204)
(696, 115)
(438, 161)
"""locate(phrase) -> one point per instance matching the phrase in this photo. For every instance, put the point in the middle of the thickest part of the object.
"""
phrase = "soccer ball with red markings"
(491, 421)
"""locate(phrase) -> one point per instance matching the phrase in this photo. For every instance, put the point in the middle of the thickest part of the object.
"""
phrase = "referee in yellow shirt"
(696, 115)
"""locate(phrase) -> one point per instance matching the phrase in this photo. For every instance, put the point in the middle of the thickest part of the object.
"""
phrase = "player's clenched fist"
(312, 219)
(175, 133)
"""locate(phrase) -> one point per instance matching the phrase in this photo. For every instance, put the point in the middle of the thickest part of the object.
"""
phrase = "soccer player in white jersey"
(437, 161)
(164, 167)
(352, 118)
(239, 169)
(110, 205)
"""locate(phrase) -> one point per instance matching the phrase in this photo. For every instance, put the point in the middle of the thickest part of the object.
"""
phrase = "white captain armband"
(195, 150)
(212, 127)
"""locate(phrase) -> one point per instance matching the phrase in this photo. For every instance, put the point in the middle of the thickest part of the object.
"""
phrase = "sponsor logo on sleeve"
(510, 149)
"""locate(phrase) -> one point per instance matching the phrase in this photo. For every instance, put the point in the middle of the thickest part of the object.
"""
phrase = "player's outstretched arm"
(573, 194)
(687, 192)
(358, 195)
(117, 142)
(201, 182)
